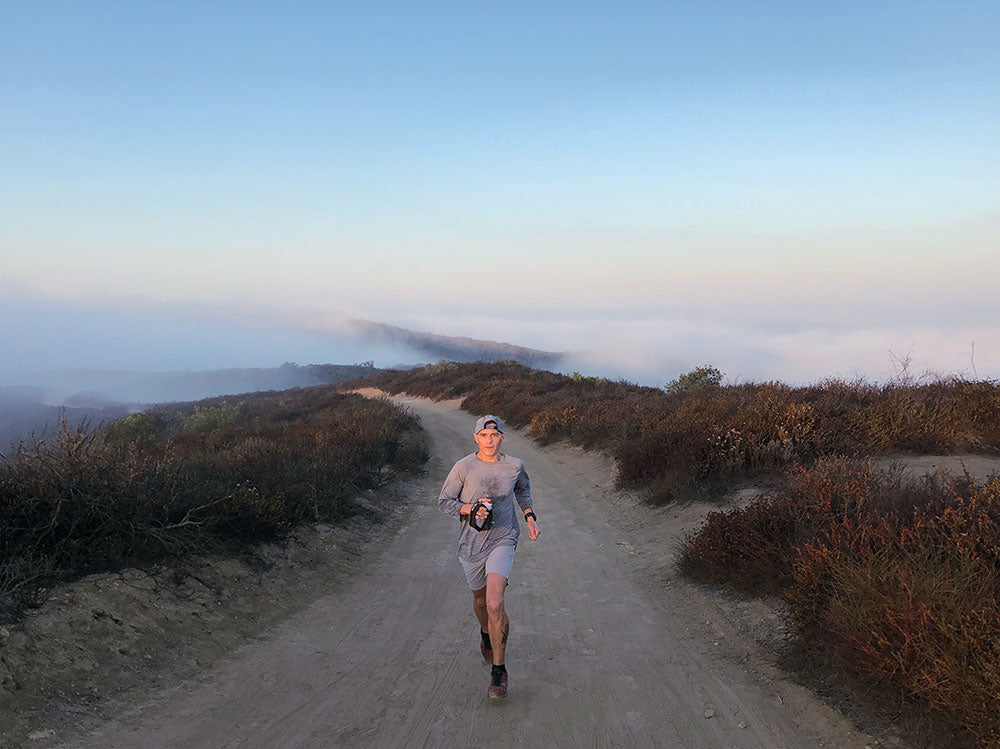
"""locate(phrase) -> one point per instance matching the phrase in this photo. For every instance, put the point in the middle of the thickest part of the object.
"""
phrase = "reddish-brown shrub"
(753, 547)
(901, 582)
(918, 604)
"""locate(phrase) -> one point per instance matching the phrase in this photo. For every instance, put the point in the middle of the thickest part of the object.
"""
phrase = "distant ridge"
(455, 348)
(100, 387)
(95, 396)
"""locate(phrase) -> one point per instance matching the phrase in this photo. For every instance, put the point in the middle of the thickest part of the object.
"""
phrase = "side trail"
(392, 658)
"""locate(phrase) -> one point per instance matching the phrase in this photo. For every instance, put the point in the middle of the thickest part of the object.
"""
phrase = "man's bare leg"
(479, 606)
(496, 584)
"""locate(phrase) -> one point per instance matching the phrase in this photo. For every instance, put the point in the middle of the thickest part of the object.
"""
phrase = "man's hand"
(533, 531)
(466, 509)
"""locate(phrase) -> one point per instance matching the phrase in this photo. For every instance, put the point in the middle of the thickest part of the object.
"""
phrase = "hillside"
(124, 386)
(217, 475)
(455, 348)
(23, 413)
(96, 396)
(377, 645)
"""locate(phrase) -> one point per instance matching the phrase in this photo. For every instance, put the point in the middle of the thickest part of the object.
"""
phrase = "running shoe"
(498, 686)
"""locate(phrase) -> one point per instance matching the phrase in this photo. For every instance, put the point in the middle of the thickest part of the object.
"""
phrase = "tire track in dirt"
(595, 658)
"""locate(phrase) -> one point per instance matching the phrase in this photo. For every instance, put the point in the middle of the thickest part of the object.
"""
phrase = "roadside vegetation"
(212, 477)
(696, 434)
(898, 580)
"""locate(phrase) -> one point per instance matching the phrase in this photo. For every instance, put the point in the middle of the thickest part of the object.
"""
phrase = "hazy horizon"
(645, 347)
(785, 191)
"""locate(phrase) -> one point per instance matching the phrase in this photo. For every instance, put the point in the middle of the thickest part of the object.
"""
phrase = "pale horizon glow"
(787, 191)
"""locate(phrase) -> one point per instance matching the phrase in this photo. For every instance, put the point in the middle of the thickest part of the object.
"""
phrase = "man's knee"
(494, 600)
(494, 606)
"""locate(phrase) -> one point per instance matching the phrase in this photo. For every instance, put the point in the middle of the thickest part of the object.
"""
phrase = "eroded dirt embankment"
(102, 644)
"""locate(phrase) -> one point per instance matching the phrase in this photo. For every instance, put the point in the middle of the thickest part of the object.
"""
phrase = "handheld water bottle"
(487, 521)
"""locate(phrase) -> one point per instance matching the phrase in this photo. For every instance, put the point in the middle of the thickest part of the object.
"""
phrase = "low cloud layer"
(749, 342)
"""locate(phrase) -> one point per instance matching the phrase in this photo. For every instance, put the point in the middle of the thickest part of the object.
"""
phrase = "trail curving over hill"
(602, 652)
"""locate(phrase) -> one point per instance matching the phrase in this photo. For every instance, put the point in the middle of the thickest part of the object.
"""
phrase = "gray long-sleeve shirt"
(504, 482)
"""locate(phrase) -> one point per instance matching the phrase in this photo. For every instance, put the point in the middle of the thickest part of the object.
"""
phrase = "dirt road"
(601, 653)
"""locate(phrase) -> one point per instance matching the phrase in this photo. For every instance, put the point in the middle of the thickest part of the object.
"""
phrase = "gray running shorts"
(500, 560)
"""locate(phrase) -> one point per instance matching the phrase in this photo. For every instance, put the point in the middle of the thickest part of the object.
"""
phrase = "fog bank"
(648, 346)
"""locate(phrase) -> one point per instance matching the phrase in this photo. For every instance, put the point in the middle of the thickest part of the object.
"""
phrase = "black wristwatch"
(530, 514)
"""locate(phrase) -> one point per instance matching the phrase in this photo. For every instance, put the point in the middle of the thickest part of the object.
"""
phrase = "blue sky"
(729, 173)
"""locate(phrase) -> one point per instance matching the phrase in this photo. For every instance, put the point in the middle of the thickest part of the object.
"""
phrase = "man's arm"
(522, 493)
(522, 489)
(449, 502)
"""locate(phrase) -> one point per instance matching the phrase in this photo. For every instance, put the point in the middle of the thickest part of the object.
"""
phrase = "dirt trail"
(601, 653)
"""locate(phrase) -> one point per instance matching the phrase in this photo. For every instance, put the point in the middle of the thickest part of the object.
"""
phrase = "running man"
(488, 555)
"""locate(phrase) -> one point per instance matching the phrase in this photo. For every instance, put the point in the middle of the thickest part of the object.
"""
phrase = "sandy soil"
(979, 467)
(347, 642)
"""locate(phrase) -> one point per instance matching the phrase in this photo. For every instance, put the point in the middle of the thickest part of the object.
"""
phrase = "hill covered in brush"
(93, 396)
(209, 477)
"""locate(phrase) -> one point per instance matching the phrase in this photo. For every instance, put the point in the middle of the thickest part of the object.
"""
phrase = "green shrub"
(700, 377)
(209, 419)
(143, 429)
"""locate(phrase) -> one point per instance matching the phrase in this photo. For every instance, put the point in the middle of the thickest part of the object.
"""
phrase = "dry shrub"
(753, 547)
(671, 443)
(915, 603)
(209, 477)
(901, 581)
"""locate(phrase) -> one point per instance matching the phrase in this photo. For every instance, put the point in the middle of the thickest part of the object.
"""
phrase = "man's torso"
(496, 481)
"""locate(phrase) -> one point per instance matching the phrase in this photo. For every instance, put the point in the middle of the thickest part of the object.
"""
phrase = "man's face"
(488, 440)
